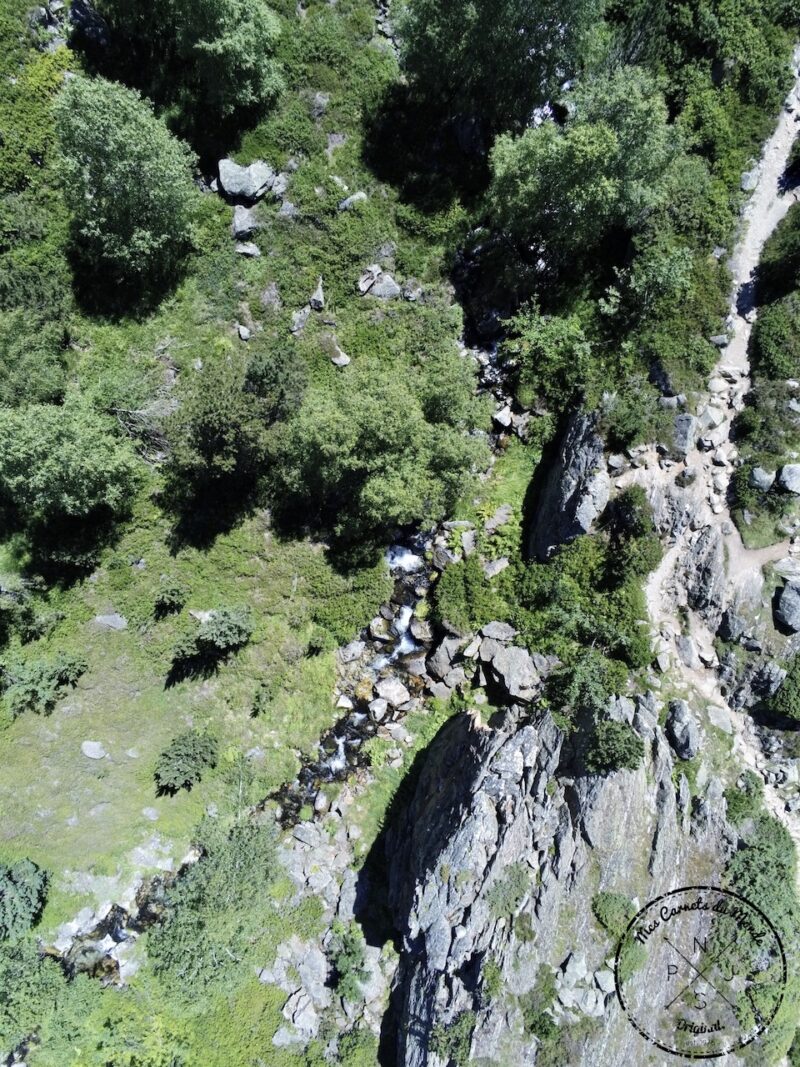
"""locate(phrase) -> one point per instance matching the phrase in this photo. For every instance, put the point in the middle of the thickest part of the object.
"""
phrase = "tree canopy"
(494, 60)
(126, 179)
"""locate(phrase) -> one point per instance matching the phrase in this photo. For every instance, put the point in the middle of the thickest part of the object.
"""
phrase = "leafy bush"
(536, 1006)
(216, 910)
(170, 598)
(614, 746)
(509, 891)
(226, 631)
(63, 476)
(23, 888)
(183, 762)
(127, 182)
(786, 701)
(465, 599)
(37, 685)
(776, 339)
(613, 911)
(277, 375)
(745, 800)
(358, 1048)
(453, 1041)
(346, 952)
(217, 439)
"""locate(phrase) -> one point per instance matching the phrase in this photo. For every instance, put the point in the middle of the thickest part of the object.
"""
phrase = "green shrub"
(776, 339)
(38, 684)
(358, 1048)
(184, 761)
(452, 1041)
(465, 599)
(217, 909)
(170, 598)
(127, 182)
(745, 801)
(536, 1006)
(346, 952)
(23, 888)
(614, 746)
(613, 911)
(492, 979)
(509, 891)
(786, 701)
(64, 477)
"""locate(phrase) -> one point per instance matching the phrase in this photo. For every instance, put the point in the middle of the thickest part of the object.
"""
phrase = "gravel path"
(728, 386)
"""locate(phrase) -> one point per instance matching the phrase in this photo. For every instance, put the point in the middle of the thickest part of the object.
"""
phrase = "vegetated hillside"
(240, 244)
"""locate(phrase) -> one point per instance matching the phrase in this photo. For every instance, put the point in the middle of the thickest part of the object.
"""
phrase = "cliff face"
(496, 861)
(574, 490)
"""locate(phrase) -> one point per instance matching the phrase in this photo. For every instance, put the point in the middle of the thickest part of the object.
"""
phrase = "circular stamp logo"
(700, 972)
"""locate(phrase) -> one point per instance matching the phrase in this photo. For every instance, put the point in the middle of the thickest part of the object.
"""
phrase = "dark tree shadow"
(196, 667)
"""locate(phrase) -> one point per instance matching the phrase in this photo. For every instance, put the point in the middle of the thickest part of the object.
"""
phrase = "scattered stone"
(248, 249)
(350, 202)
(93, 750)
(687, 651)
(761, 479)
(720, 340)
(379, 708)
(515, 670)
(749, 180)
(721, 718)
(496, 566)
(244, 222)
(498, 631)
(243, 331)
(503, 417)
(393, 691)
(385, 288)
(288, 210)
(317, 299)
(248, 183)
(111, 622)
(271, 298)
(352, 652)
(300, 318)
(501, 517)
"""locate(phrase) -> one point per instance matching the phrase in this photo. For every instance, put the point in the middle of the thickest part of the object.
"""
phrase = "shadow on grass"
(195, 667)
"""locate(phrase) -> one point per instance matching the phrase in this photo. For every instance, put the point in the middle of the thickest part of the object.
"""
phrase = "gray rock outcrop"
(575, 489)
(787, 609)
(245, 183)
(514, 810)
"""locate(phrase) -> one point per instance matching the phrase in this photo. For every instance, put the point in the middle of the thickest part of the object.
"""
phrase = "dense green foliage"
(23, 887)
(185, 759)
(613, 911)
(614, 746)
(452, 1041)
(37, 685)
(64, 477)
(745, 798)
(212, 58)
(127, 182)
(786, 701)
(347, 957)
(493, 61)
(558, 191)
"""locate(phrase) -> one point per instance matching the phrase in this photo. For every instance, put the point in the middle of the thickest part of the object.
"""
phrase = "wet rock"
(682, 730)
